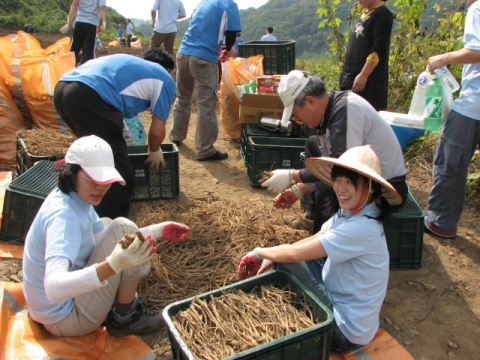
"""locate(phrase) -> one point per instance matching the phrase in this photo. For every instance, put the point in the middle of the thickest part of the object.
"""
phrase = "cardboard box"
(256, 106)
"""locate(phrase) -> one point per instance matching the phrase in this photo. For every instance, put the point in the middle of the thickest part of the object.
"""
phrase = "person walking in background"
(129, 33)
(238, 40)
(165, 25)
(87, 15)
(95, 97)
(120, 32)
(197, 70)
(365, 69)
(269, 36)
(460, 135)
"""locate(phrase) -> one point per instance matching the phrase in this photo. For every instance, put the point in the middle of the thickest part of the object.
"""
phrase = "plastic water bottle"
(127, 135)
(417, 106)
(447, 79)
(433, 105)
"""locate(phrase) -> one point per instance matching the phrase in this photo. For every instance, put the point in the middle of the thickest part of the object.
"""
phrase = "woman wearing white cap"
(353, 280)
(75, 273)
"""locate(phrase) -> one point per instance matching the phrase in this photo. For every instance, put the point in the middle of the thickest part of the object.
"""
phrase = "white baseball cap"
(290, 87)
(95, 157)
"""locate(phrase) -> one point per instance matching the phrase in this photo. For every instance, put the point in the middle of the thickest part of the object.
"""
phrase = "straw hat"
(361, 159)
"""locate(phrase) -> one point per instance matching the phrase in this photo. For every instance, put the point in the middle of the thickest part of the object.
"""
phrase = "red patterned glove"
(168, 230)
(287, 198)
(249, 265)
(222, 56)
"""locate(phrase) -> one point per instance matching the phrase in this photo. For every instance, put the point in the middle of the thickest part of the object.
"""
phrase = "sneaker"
(300, 223)
(139, 320)
(433, 230)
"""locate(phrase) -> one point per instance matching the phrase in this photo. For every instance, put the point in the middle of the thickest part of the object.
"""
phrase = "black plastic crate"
(25, 160)
(309, 344)
(278, 56)
(23, 198)
(254, 130)
(151, 184)
(270, 153)
(405, 236)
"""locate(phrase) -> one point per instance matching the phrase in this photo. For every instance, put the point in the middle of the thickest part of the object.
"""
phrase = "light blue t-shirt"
(128, 83)
(88, 11)
(64, 227)
(268, 37)
(168, 12)
(356, 271)
(467, 103)
(206, 30)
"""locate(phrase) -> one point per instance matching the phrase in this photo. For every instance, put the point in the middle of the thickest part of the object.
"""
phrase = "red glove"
(222, 56)
(175, 232)
(249, 266)
(287, 198)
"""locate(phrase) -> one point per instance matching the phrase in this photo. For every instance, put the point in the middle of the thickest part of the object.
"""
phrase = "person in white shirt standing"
(165, 26)
(129, 33)
(269, 36)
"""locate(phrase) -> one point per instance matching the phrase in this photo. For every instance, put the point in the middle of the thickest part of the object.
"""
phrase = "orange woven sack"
(236, 71)
(16, 44)
(11, 120)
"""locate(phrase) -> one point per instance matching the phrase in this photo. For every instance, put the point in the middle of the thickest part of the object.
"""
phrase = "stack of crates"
(404, 235)
(278, 56)
(312, 343)
(23, 198)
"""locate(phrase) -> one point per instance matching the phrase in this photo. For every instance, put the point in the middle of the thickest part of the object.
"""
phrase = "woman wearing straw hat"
(353, 280)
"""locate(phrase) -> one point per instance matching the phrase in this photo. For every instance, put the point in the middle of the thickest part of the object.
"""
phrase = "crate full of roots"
(40, 144)
(269, 316)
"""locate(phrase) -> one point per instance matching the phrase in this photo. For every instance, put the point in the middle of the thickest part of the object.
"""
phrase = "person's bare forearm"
(72, 14)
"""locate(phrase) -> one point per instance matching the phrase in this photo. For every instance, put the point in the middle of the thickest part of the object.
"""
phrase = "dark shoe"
(139, 320)
(176, 142)
(300, 223)
(219, 155)
(433, 230)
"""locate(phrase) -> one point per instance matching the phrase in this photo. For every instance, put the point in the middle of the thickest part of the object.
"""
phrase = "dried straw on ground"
(46, 142)
(221, 233)
(222, 326)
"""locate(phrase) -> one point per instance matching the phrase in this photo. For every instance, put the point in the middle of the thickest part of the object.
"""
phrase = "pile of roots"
(46, 142)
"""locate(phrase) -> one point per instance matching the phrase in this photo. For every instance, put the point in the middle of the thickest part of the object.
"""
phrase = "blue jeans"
(310, 274)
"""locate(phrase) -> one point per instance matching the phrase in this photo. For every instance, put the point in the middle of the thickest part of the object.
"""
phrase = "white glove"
(168, 230)
(104, 26)
(156, 160)
(65, 28)
(279, 181)
(136, 254)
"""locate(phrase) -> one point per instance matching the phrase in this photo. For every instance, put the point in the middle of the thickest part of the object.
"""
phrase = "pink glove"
(287, 198)
(249, 265)
(168, 230)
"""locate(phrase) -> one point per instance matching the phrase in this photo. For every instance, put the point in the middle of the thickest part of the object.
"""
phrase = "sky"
(140, 9)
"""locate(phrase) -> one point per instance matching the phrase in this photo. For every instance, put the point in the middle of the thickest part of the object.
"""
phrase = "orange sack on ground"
(23, 338)
(236, 71)
(11, 120)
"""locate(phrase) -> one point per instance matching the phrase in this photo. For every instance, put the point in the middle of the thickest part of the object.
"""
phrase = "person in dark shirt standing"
(365, 69)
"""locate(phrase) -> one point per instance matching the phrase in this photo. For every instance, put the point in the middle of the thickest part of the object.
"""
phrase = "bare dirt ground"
(433, 312)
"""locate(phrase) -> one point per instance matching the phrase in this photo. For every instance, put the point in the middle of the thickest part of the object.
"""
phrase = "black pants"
(84, 38)
(86, 113)
(129, 40)
(314, 203)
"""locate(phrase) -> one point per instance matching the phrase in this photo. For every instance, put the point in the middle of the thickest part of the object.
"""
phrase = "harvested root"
(128, 239)
(265, 176)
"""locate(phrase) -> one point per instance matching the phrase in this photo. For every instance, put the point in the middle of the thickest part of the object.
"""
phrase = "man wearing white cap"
(343, 120)
(74, 272)
(95, 98)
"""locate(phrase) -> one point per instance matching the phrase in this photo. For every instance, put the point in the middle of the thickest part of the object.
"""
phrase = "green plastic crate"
(25, 160)
(270, 153)
(151, 184)
(405, 236)
(309, 344)
(23, 198)
(254, 130)
(278, 56)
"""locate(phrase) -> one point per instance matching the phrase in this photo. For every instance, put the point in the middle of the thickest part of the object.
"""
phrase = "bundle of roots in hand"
(222, 326)
(128, 239)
